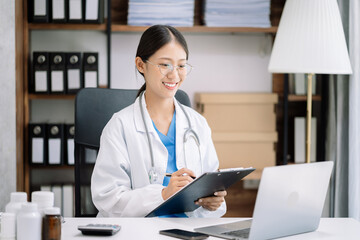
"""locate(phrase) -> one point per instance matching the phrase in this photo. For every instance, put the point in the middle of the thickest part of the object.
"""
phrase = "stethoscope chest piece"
(153, 175)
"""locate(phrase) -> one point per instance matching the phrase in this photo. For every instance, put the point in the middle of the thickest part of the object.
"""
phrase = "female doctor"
(144, 141)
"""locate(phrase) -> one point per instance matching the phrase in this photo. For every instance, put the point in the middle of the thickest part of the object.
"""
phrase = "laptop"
(290, 201)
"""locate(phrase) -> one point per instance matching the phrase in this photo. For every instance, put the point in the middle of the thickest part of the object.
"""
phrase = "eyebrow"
(165, 58)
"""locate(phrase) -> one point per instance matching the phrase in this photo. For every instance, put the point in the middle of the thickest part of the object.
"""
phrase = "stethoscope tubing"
(147, 130)
(187, 133)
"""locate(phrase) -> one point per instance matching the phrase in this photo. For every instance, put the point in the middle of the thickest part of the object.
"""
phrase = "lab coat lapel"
(139, 123)
(159, 150)
(181, 127)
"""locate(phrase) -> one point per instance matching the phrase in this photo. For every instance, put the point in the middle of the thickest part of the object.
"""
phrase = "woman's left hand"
(212, 203)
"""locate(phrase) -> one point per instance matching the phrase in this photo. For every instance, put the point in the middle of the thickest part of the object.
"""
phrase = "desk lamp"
(310, 39)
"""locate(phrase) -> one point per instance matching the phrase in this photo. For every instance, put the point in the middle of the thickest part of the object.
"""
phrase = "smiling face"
(158, 85)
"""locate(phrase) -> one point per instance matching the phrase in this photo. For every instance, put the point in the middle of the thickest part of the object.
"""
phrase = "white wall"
(223, 62)
(7, 102)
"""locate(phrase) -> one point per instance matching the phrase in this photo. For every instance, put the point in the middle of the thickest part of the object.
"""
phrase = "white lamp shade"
(310, 39)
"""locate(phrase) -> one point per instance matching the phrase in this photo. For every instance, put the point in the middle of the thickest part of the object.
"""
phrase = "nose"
(173, 73)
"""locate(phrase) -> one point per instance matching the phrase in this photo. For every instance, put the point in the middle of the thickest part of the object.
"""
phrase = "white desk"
(148, 228)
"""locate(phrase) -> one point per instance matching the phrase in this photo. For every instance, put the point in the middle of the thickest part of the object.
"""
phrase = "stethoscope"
(154, 174)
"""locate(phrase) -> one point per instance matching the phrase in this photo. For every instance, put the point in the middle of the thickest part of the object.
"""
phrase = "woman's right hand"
(178, 180)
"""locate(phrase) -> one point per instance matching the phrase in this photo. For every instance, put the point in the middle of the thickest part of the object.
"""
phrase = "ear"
(140, 65)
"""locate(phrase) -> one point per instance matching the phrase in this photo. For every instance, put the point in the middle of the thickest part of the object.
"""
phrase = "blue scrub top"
(169, 141)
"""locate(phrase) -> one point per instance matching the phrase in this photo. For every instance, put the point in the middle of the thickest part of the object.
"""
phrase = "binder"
(300, 84)
(59, 11)
(70, 144)
(94, 11)
(39, 11)
(75, 11)
(37, 144)
(73, 72)
(68, 200)
(41, 77)
(46, 188)
(57, 72)
(58, 197)
(91, 67)
(55, 144)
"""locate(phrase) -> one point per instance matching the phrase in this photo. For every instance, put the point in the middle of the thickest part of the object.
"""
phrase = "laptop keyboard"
(243, 233)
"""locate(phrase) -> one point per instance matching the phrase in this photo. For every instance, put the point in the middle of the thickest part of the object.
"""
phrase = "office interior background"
(225, 62)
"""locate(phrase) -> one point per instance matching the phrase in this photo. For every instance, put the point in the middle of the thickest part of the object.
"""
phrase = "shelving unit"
(291, 106)
(23, 115)
(117, 14)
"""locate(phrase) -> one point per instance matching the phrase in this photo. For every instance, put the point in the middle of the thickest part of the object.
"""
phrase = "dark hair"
(154, 38)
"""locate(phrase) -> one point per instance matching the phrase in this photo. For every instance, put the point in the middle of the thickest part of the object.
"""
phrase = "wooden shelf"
(51, 96)
(66, 26)
(300, 98)
(127, 28)
(200, 29)
(46, 167)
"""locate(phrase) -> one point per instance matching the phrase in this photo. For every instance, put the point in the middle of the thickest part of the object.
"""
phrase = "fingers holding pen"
(181, 177)
(184, 172)
(178, 180)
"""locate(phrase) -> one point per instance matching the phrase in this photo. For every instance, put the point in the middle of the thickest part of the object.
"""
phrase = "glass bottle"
(51, 224)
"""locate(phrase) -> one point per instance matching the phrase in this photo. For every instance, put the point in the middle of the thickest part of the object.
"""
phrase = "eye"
(165, 65)
(182, 66)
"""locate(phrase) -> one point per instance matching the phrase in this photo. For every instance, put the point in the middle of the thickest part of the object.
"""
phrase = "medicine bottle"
(51, 224)
(8, 226)
(28, 222)
(44, 200)
(16, 200)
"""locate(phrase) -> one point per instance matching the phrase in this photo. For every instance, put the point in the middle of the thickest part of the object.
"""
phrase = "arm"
(111, 183)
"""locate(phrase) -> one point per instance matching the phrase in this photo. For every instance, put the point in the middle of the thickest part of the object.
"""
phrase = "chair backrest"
(93, 109)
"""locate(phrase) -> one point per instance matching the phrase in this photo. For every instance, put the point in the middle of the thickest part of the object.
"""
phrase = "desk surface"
(148, 228)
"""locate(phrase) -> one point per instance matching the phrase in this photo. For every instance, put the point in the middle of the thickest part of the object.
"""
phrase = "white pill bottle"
(29, 222)
(16, 200)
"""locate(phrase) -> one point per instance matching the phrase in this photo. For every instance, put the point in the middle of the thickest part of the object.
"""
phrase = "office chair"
(93, 109)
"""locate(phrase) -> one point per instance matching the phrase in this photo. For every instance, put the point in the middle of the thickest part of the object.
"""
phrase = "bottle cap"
(29, 207)
(43, 198)
(52, 211)
(18, 197)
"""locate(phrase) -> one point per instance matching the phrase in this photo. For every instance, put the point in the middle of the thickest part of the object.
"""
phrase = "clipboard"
(203, 186)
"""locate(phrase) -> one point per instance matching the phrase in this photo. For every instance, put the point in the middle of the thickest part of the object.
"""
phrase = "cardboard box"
(246, 150)
(250, 112)
(243, 128)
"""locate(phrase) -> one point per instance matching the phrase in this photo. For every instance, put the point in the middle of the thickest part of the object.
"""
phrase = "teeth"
(170, 85)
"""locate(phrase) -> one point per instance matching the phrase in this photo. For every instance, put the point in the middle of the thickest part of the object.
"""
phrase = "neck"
(159, 107)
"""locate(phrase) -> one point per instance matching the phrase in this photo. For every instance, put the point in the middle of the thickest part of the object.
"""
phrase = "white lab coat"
(120, 183)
